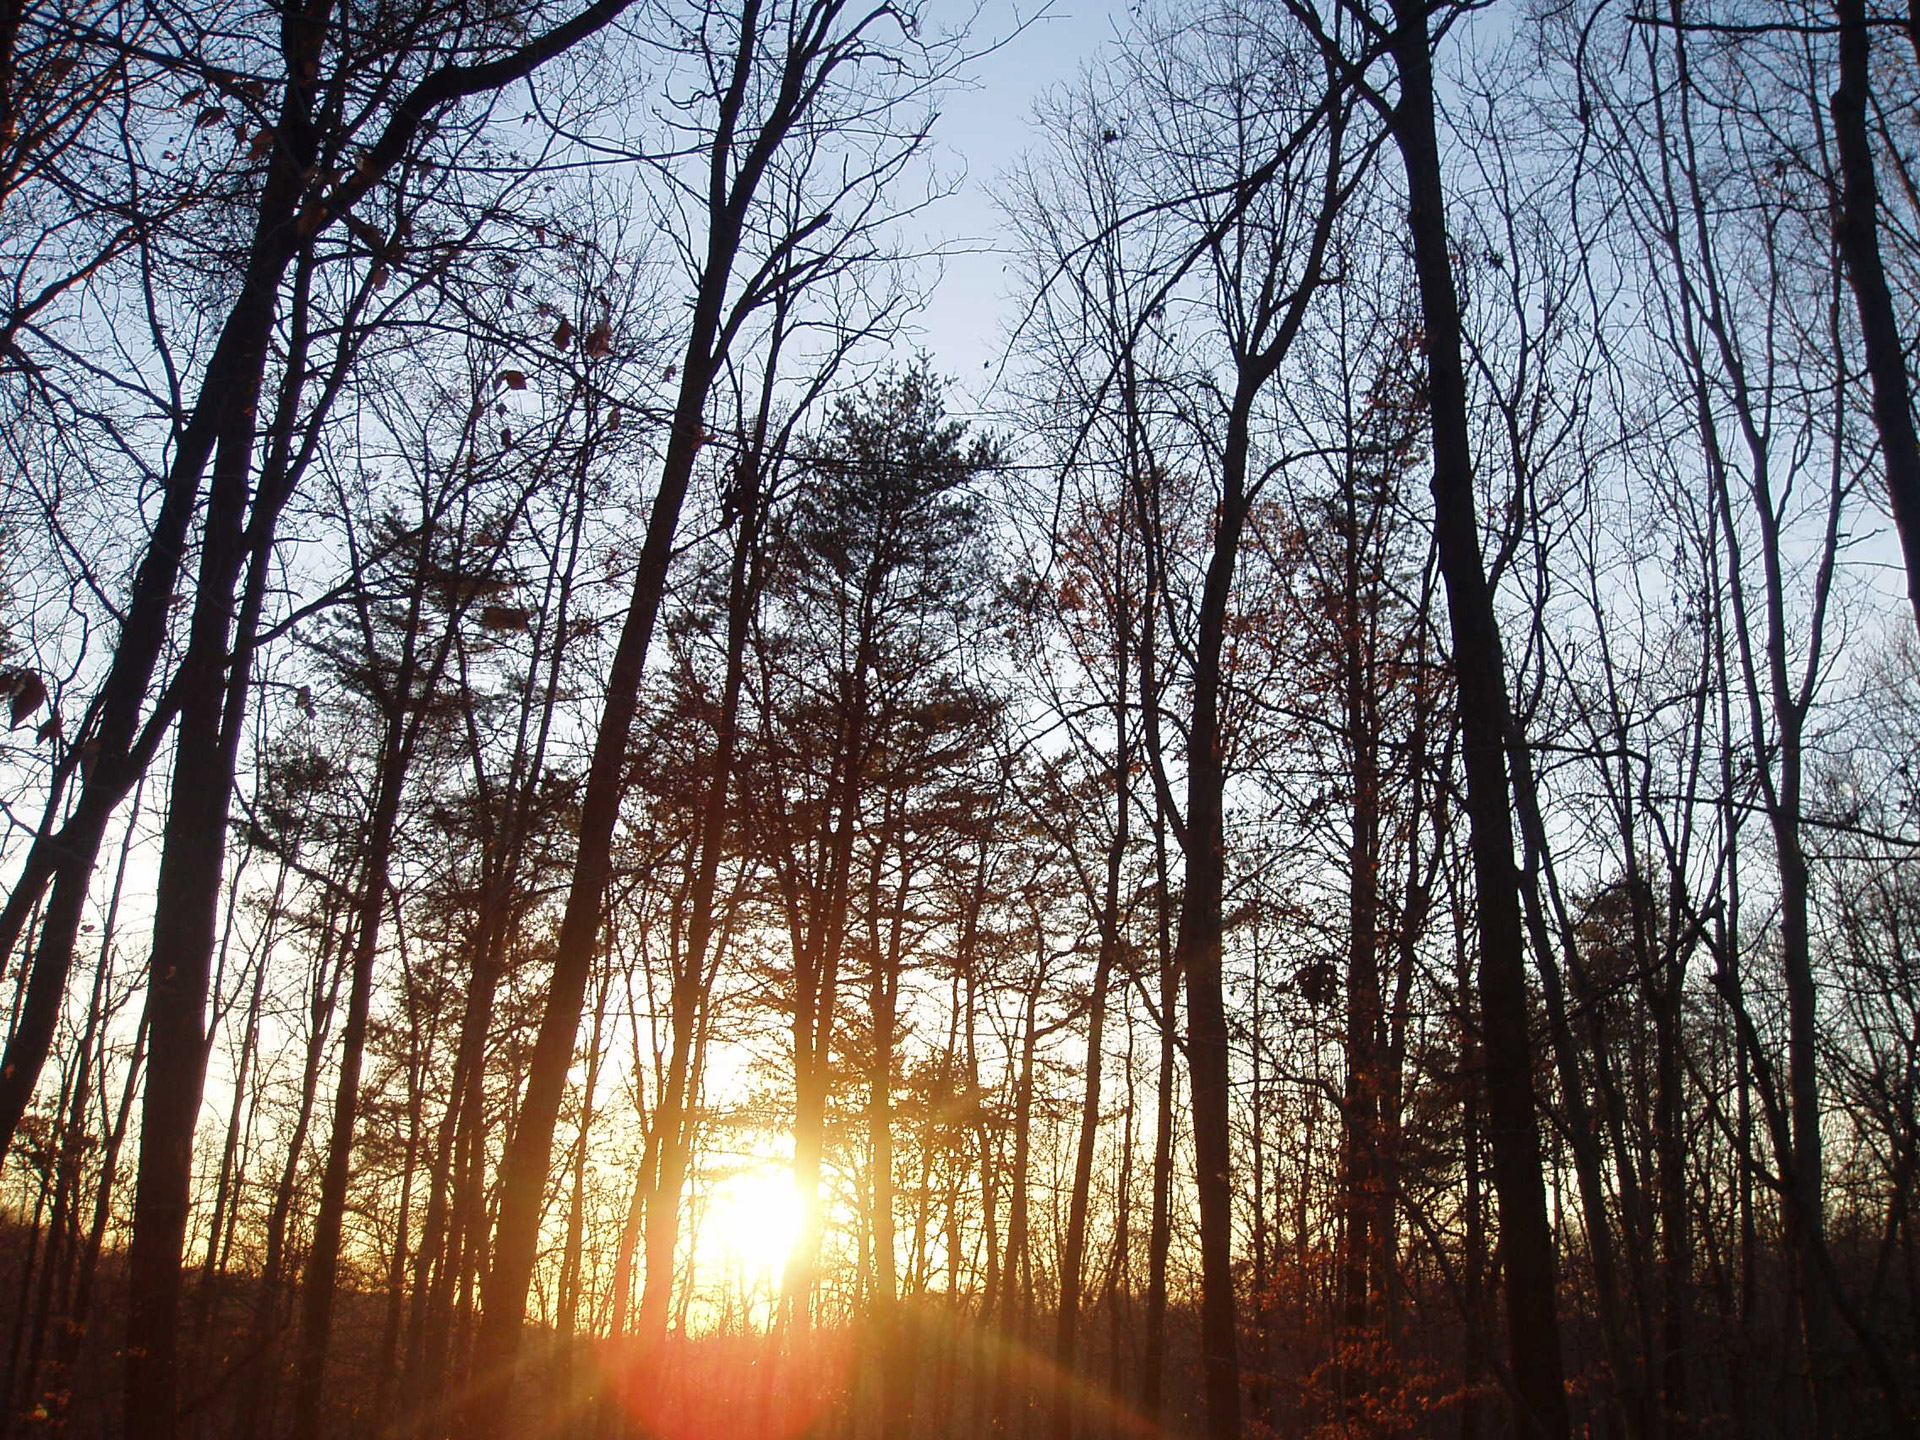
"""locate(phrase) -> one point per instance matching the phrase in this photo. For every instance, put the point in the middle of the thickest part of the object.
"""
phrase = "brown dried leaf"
(506, 617)
(25, 692)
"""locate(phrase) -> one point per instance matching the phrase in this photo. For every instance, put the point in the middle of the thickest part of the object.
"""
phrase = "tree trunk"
(1153, 1363)
(187, 897)
(1526, 1240)
(318, 1291)
(671, 1123)
(1857, 229)
(257, 1405)
(883, 993)
(73, 1334)
(1074, 1260)
(1016, 1289)
(1199, 947)
(1362, 1184)
(523, 1172)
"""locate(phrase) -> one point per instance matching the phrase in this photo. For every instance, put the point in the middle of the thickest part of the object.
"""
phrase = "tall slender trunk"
(71, 1136)
(529, 1149)
(1262, 337)
(32, 1264)
(1120, 1277)
(1073, 1262)
(186, 909)
(1473, 1279)
(1153, 1362)
(625, 1253)
(1362, 1183)
(1583, 1119)
(323, 1255)
(261, 1395)
(74, 1333)
(429, 1319)
(1670, 1137)
(225, 1196)
(983, 1408)
(671, 1121)
(215, 677)
(1199, 947)
(523, 1171)
(1805, 1217)
(1857, 229)
(1526, 1239)
(448, 1201)
(77, 1285)
(883, 998)
(1016, 1290)
(568, 1392)
(388, 1365)
(817, 963)
(1726, 930)
(406, 699)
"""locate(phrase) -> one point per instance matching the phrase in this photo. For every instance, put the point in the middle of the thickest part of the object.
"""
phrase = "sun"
(752, 1220)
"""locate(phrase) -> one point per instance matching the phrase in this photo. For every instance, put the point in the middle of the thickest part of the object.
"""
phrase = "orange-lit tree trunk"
(567, 1391)
(1153, 1362)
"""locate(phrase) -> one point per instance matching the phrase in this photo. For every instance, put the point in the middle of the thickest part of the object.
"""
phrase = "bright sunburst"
(753, 1218)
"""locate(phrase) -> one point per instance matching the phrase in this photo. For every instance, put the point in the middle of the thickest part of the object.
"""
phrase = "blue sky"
(982, 131)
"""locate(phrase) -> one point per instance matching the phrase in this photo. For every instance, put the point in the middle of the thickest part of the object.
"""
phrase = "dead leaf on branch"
(366, 234)
(506, 617)
(24, 691)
